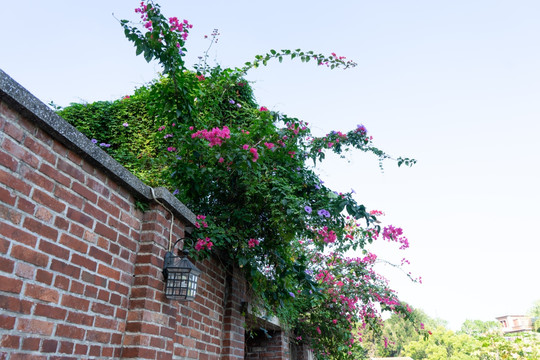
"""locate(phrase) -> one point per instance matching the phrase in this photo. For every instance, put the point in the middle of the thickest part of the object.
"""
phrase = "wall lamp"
(180, 276)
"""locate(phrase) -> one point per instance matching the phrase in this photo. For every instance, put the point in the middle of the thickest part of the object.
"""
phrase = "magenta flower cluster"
(392, 233)
(253, 242)
(180, 27)
(203, 243)
(214, 136)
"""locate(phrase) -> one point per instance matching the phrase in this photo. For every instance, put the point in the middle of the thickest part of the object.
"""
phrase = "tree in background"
(479, 327)
(442, 344)
(534, 313)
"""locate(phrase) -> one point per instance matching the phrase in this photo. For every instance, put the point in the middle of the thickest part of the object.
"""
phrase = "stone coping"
(35, 110)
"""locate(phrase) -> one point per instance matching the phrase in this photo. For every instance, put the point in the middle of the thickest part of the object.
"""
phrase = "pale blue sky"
(454, 84)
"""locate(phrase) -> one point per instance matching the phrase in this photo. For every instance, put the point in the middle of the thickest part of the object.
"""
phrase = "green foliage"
(124, 129)
(442, 344)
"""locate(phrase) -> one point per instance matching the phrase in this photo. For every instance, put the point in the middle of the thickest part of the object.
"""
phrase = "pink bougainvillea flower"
(255, 154)
(263, 108)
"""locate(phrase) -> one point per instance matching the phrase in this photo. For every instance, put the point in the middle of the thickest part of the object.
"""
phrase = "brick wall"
(80, 266)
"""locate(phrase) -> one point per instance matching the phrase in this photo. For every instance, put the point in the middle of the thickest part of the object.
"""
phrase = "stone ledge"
(32, 108)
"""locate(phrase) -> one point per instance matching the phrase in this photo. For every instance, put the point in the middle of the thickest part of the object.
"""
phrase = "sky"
(453, 84)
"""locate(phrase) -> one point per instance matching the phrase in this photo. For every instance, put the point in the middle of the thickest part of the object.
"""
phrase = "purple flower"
(323, 213)
(94, 141)
(308, 209)
(105, 145)
(175, 192)
(361, 128)
(231, 101)
(125, 124)
(291, 293)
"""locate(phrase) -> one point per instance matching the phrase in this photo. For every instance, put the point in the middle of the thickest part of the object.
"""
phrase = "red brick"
(36, 178)
(80, 318)
(48, 201)
(35, 326)
(61, 223)
(37, 148)
(76, 287)
(66, 269)
(98, 187)
(14, 304)
(42, 293)
(20, 152)
(75, 302)
(81, 218)
(69, 197)
(84, 192)
(40, 228)
(24, 270)
(9, 214)
(7, 322)
(127, 243)
(81, 349)
(94, 212)
(10, 342)
(51, 312)
(84, 261)
(99, 254)
(95, 350)
(30, 343)
(44, 276)
(98, 336)
(53, 249)
(93, 279)
(103, 309)
(14, 131)
(66, 347)
(70, 170)
(68, 331)
(26, 206)
(10, 285)
(6, 197)
(90, 291)
(106, 323)
(29, 255)
(53, 173)
(14, 183)
(76, 159)
(44, 137)
(6, 265)
(73, 243)
(61, 282)
(44, 215)
(121, 202)
(76, 230)
(120, 226)
(104, 295)
(8, 161)
(49, 346)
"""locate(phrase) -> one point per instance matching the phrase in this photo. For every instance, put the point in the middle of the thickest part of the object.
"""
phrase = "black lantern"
(181, 277)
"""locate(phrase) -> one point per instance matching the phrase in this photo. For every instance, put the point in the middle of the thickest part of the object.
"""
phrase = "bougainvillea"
(250, 173)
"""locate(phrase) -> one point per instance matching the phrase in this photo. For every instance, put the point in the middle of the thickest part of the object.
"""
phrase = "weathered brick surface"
(81, 267)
